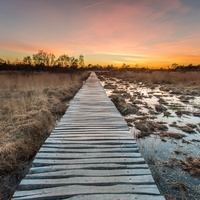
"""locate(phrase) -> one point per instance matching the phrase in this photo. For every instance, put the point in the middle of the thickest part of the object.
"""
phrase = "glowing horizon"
(149, 33)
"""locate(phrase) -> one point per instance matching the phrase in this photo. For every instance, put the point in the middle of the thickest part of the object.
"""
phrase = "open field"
(30, 106)
(162, 110)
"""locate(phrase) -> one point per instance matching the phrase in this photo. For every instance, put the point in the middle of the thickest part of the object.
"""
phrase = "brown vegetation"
(191, 165)
(143, 134)
(30, 107)
(123, 107)
(166, 77)
(172, 135)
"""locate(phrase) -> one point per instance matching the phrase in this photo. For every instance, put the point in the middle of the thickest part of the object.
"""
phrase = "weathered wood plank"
(42, 183)
(95, 138)
(91, 132)
(87, 155)
(86, 150)
(108, 166)
(89, 173)
(91, 141)
(117, 197)
(43, 162)
(87, 146)
(72, 190)
(86, 135)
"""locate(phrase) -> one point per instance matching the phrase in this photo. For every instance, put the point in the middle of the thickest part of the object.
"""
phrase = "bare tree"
(174, 65)
(27, 60)
(47, 59)
(52, 58)
(81, 61)
(2, 61)
(63, 60)
(74, 63)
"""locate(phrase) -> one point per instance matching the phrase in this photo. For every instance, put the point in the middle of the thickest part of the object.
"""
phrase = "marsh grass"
(165, 77)
(191, 165)
(172, 135)
(30, 106)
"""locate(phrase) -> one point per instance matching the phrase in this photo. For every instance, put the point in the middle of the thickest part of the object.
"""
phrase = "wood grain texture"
(91, 154)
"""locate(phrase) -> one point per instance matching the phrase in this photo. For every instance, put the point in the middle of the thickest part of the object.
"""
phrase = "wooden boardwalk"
(91, 155)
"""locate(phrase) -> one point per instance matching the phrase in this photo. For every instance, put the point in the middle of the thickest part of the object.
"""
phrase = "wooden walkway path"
(91, 155)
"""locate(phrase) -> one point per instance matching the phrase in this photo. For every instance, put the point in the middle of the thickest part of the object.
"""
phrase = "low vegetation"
(172, 135)
(158, 76)
(190, 165)
(30, 106)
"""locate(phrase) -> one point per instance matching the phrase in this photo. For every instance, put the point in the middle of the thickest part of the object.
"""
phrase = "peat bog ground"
(162, 110)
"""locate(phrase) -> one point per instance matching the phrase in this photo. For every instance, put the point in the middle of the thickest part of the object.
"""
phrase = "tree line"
(48, 59)
(189, 67)
(44, 61)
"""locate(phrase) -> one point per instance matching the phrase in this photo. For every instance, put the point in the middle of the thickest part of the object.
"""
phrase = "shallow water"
(172, 182)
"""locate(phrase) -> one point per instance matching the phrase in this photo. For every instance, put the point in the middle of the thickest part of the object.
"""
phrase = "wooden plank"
(108, 132)
(42, 183)
(43, 162)
(72, 190)
(94, 166)
(87, 155)
(117, 197)
(86, 150)
(89, 173)
(94, 137)
(86, 146)
(113, 135)
(91, 141)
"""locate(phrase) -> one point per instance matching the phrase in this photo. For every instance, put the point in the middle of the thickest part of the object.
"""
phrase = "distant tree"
(89, 66)
(125, 66)
(74, 63)
(17, 62)
(27, 60)
(8, 62)
(44, 58)
(39, 58)
(51, 60)
(81, 61)
(174, 65)
(109, 67)
(63, 60)
(2, 61)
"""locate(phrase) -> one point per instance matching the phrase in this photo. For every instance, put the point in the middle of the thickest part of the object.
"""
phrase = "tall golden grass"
(30, 106)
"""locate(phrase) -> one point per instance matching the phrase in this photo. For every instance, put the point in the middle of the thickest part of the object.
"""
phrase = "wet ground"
(165, 119)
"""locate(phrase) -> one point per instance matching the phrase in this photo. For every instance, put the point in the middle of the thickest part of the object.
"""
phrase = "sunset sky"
(144, 32)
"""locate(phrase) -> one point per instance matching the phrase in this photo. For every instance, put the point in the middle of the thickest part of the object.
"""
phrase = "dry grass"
(30, 107)
(191, 165)
(166, 77)
(143, 134)
(172, 135)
